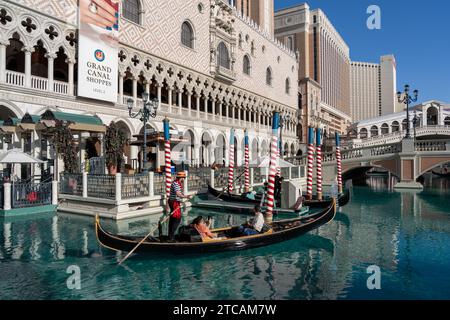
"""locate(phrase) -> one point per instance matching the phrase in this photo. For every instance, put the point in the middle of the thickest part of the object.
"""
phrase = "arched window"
(288, 86)
(290, 43)
(374, 131)
(269, 76)
(246, 65)
(223, 56)
(187, 35)
(131, 10)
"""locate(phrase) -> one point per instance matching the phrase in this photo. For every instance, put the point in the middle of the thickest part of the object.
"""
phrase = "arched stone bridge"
(407, 159)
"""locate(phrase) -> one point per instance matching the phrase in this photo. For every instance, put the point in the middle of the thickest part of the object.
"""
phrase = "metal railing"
(198, 178)
(25, 195)
(159, 184)
(430, 145)
(101, 186)
(135, 186)
(71, 184)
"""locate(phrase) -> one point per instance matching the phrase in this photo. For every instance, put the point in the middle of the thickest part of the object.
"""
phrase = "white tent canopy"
(265, 163)
(17, 156)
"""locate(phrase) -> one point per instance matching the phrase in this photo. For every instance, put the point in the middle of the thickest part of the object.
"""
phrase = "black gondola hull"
(122, 243)
(343, 199)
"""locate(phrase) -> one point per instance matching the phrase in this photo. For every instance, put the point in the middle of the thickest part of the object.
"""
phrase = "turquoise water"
(406, 234)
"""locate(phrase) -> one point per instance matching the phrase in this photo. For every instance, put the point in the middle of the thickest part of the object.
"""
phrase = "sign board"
(98, 49)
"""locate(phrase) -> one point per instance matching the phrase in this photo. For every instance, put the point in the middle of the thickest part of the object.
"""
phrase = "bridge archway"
(363, 134)
(432, 116)
(357, 171)
(395, 126)
(384, 128)
(428, 164)
(374, 131)
(447, 121)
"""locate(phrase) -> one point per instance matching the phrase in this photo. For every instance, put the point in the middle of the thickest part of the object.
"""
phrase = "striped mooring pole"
(339, 163)
(168, 157)
(231, 167)
(247, 164)
(279, 154)
(319, 163)
(309, 189)
(273, 167)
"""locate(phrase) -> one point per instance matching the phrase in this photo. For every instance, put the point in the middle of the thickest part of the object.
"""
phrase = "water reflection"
(405, 233)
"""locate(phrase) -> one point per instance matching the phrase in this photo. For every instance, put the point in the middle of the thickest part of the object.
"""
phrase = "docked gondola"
(343, 199)
(229, 238)
(441, 174)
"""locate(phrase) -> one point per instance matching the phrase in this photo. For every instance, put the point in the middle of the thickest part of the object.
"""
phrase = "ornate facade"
(210, 67)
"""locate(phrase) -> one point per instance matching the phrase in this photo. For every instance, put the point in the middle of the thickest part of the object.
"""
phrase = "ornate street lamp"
(407, 99)
(283, 119)
(149, 109)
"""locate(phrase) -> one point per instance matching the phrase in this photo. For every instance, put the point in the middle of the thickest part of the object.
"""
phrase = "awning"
(77, 122)
(17, 156)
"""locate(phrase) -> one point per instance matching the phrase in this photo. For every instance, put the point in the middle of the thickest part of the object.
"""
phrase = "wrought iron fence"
(71, 184)
(198, 179)
(258, 175)
(159, 184)
(135, 186)
(101, 186)
(221, 177)
(25, 195)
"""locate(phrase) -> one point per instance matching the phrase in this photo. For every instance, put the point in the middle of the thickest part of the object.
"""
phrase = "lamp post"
(407, 99)
(415, 122)
(283, 119)
(150, 106)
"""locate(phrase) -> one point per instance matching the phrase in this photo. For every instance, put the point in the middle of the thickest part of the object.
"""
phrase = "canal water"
(405, 234)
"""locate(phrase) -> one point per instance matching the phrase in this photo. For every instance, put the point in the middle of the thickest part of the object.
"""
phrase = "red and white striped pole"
(279, 156)
(339, 163)
(273, 167)
(319, 163)
(167, 157)
(231, 167)
(309, 190)
(247, 164)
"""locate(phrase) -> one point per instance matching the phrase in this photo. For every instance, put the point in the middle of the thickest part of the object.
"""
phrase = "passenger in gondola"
(255, 226)
(175, 198)
(202, 228)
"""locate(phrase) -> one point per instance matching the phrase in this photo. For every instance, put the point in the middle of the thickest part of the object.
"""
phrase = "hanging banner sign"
(98, 49)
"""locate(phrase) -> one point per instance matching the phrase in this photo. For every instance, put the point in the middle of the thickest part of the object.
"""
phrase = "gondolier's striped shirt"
(174, 189)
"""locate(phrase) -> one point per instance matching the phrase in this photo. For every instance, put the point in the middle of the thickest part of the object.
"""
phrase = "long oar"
(148, 235)
(226, 189)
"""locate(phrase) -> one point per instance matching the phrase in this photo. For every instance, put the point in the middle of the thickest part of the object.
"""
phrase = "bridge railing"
(431, 145)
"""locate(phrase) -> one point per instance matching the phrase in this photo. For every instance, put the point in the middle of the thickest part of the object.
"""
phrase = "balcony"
(225, 74)
(37, 83)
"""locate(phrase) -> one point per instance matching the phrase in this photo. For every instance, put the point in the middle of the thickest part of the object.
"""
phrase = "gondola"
(442, 175)
(343, 199)
(279, 231)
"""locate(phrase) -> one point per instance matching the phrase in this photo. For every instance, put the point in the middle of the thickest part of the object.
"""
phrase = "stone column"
(147, 87)
(50, 70)
(3, 45)
(71, 65)
(189, 98)
(206, 107)
(28, 51)
(180, 100)
(220, 110)
(169, 92)
(197, 97)
(135, 91)
(159, 95)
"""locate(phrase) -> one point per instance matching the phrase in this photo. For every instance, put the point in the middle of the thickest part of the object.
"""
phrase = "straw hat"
(181, 174)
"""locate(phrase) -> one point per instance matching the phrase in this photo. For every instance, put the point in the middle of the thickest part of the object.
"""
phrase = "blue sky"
(417, 33)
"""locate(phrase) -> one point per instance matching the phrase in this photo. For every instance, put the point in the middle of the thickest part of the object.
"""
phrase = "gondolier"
(175, 199)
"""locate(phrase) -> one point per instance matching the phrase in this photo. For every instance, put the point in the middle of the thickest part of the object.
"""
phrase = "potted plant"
(115, 141)
(67, 148)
